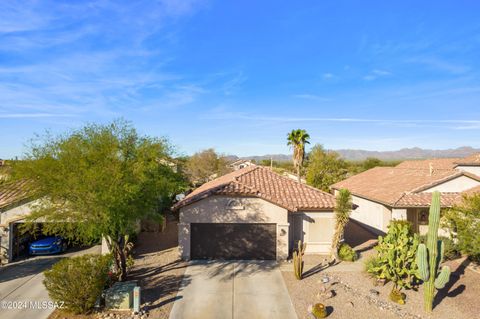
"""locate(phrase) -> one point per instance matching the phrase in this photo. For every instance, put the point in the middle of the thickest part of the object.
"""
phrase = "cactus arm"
(422, 262)
(443, 278)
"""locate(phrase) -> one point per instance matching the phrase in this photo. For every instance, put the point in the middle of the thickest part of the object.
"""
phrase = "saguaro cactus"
(298, 259)
(430, 257)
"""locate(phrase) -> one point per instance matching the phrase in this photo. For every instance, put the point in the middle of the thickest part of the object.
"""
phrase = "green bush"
(371, 263)
(346, 253)
(78, 282)
(451, 249)
(396, 256)
(464, 222)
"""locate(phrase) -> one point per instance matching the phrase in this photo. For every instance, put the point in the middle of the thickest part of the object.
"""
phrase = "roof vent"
(430, 165)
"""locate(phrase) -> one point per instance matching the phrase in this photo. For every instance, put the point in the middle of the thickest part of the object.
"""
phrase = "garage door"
(233, 241)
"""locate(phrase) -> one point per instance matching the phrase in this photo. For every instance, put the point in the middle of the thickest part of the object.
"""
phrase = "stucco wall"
(370, 213)
(7, 217)
(215, 209)
(318, 228)
(458, 184)
(471, 169)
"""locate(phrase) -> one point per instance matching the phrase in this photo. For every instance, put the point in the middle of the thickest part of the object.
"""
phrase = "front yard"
(357, 297)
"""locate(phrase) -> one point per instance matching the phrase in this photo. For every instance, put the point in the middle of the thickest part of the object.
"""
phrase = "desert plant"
(430, 256)
(464, 222)
(298, 259)
(297, 140)
(318, 310)
(346, 253)
(370, 263)
(78, 282)
(451, 249)
(395, 260)
(343, 208)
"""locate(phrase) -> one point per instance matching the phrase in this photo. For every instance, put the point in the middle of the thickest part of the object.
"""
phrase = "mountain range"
(358, 155)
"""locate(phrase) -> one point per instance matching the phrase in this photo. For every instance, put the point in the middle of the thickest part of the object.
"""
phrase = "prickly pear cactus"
(430, 256)
(298, 260)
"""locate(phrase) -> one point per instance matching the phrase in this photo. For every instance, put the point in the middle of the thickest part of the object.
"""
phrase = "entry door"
(233, 241)
(296, 230)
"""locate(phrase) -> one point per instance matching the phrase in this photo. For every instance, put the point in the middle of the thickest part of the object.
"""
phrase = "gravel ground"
(159, 272)
(356, 296)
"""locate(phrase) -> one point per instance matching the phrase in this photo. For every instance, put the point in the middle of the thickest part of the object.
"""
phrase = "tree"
(343, 208)
(371, 162)
(99, 180)
(464, 222)
(325, 168)
(297, 140)
(206, 165)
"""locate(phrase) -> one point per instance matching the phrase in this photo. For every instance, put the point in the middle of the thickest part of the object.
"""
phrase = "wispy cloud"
(440, 64)
(376, 73)
(312, 97)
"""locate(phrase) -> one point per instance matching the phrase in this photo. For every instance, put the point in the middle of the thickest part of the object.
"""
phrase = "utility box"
(120, 295)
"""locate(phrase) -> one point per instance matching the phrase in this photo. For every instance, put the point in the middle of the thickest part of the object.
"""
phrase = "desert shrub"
(396, 256)
(78, 282)
(346, 253)
(370, 263)
(464, 222)
(451, 250)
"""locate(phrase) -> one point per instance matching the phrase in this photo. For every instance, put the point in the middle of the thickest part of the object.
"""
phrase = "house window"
(235, 204)
(423, 217)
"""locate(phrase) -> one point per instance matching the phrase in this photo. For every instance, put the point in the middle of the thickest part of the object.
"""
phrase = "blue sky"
(238, 75)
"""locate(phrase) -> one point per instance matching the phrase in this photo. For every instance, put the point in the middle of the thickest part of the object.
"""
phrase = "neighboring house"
(239, 164)
(14, 206)
(2, 162)
(254, 213)
(404, 191)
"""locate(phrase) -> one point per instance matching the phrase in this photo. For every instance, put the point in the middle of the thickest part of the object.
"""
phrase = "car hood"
(46, 241)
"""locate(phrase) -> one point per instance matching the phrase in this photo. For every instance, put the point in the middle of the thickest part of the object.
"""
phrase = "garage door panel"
(233, 241)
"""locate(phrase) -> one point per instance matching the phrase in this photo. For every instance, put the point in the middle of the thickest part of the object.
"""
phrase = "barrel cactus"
(298, 259)
(430, 256)
(318, 310)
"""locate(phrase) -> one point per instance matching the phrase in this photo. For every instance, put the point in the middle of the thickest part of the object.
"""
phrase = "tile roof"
(388, 185)
(470, 160)
(262, 182)
(13, 192)
(425, 199)
(436, 163)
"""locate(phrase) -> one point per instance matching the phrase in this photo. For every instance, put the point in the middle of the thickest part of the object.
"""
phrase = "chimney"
(431, 168)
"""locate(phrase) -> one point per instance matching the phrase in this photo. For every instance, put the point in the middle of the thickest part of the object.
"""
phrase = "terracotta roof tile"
(259, 181)
(470, 160)
(388, 184)
(425, 199)
(436, 163)
(13, 192)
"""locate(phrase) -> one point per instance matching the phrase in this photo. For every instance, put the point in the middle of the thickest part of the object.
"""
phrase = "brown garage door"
(233, 241)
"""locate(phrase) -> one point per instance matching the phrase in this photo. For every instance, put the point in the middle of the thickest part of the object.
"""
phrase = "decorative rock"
(374, 292)
(325, 279)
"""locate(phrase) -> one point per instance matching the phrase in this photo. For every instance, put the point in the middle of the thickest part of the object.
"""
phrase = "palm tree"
(343, 208)
(297, 140)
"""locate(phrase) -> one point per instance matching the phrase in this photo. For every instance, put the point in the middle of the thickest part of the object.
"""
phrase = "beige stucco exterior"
(217, 209)
(7, 218)
(373, 214)
(456, 185)
(470, 169)
(378, 216)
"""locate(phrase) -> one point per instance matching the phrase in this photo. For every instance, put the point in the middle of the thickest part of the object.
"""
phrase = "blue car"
(48, 245)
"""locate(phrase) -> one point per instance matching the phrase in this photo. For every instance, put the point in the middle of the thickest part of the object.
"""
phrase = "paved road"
(224, 290)
(21, 286)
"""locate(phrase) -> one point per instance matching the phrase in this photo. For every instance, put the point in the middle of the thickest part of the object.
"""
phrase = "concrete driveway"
(239, 289)
(21, 286)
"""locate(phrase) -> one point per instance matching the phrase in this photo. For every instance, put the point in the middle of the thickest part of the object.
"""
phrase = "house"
(404, 191)
(239, 164)
(254, 213)
(15, 201)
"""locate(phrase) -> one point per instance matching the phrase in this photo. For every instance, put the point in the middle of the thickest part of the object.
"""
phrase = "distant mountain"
(403, 154)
